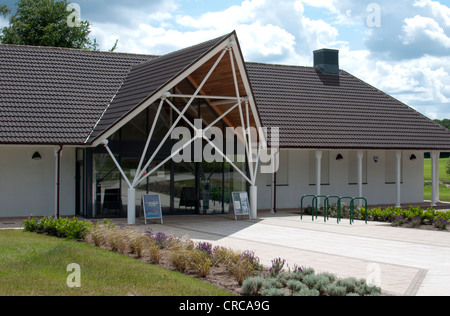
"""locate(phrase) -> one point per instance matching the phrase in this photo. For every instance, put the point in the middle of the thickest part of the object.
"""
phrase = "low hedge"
(59, 227)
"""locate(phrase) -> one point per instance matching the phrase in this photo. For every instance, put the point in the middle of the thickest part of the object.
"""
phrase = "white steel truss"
(236, 102)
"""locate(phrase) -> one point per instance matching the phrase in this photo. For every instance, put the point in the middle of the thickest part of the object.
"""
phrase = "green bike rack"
(339, 215)
(316, 207)
(327, 204)
(301, 204)
(352, 208)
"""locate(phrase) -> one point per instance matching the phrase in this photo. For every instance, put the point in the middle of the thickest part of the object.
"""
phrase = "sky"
(401, 47)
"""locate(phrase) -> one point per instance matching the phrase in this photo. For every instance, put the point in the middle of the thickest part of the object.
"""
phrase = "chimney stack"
(327, 60)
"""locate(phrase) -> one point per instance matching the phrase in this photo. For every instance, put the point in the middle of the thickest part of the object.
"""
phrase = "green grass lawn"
(442, 172)
(36, 265)
(444, 192)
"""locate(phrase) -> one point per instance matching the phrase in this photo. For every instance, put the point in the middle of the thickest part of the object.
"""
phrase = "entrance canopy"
(211, 74)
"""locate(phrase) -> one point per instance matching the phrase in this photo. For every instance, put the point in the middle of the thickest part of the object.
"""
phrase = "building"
(88, 133)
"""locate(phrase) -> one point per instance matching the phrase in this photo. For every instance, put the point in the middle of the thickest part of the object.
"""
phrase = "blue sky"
(407, 55)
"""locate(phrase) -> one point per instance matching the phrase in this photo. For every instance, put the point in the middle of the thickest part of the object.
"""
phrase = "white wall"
(27, 186)
(376, 190)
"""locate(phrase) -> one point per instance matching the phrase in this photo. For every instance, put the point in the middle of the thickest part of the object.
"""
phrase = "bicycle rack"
(327, 203)
(352, 208)
(316, 207)
(301, 204)
(339, 205)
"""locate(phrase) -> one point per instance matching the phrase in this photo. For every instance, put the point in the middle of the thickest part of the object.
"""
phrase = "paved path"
(404, 261)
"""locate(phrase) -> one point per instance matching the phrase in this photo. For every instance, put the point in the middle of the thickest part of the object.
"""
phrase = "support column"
(434, 178)
(131, 206)
(398, 169)
(438, 181)
(360, 156)
(318, 155)
(254, 202)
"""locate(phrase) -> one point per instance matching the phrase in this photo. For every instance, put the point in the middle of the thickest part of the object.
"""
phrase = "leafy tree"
(4, 10)
(444, 122)
(44, 23)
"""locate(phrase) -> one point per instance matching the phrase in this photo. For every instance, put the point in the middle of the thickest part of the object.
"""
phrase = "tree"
(444, 122)
(4, 10)
(45, 23)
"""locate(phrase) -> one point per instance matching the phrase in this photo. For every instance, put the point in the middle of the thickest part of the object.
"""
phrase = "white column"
(131, 206)
(254, 202)
(398, 169)
(436, 170)
(318, 174)
(434, 177)
(360, 156)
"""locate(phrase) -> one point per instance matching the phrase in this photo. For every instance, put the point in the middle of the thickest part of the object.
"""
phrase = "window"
(353, 168)
(325, 168)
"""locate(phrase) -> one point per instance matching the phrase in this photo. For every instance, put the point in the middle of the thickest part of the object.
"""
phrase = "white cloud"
(421, 29)
(439, 11)
(283, 32)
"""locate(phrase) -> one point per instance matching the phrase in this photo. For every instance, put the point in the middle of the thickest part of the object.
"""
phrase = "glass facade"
(184, 187)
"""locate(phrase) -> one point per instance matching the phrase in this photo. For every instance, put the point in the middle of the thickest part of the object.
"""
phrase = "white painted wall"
(27, 187)
(376, 190)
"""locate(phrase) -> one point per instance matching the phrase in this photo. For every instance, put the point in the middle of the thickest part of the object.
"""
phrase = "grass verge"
(36, 265)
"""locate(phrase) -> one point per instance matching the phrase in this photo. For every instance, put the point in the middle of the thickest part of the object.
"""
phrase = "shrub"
(415, 222)
(335, 290)
(277, 266)
(201, 261)
(273, 292)
(180, 259)
(307, 292)
(61, 227)
(295, 286)
(252, 286)
(440, 223)
(240, 268)
(399, 221)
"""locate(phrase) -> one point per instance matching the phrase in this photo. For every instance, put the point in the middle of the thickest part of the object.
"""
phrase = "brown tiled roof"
(58, 96)
(55, 95)
(314, 110)
(148, 78)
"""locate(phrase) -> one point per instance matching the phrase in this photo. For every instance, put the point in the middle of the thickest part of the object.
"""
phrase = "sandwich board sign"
(240, 204)
(151, 205)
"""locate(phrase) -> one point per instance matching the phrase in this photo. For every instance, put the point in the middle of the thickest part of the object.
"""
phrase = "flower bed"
(239, 272)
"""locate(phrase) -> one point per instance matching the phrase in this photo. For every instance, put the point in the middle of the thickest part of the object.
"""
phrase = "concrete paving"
(404, 262)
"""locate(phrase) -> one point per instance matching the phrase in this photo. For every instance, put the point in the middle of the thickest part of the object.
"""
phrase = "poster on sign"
(241, 205)
(151, 206)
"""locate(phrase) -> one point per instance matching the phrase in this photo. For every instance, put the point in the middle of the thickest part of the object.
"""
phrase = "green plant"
(295, 286)
(252, 286)
(61, 227)
(440, 223)
(273, 292)
(307, 292)
(201, 261)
